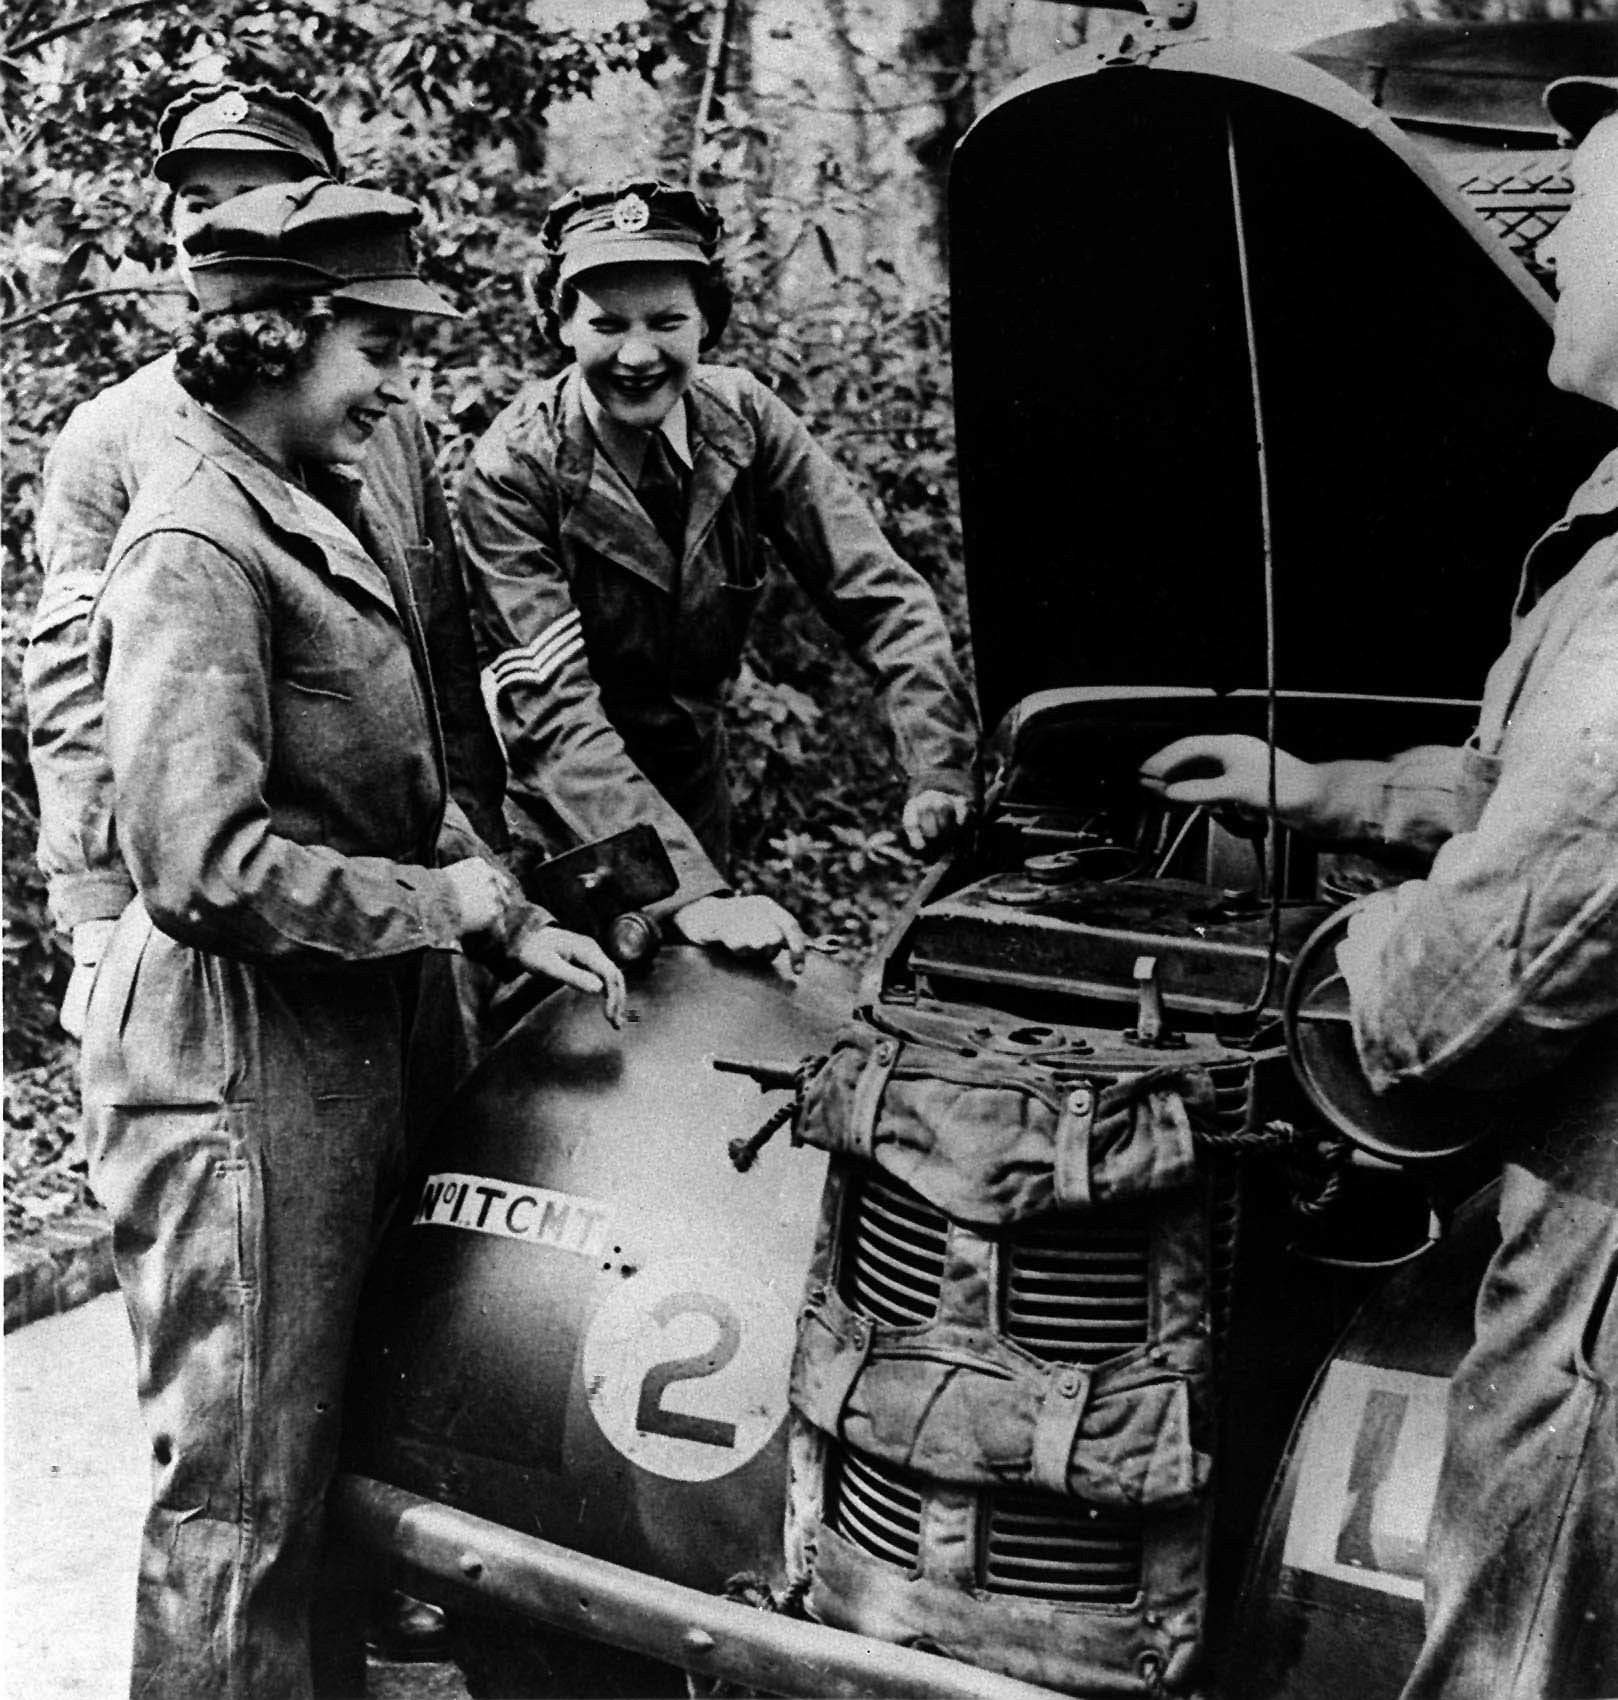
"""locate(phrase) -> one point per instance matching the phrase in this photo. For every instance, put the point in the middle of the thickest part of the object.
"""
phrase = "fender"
(584, 1326)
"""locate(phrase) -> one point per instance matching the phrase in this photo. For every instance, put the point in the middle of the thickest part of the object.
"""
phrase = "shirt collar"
(625, 445)
(321, 519)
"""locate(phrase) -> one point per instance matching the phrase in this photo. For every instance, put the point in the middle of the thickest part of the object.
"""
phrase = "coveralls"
(103, 455)
(281, 805)
(1499, 971)
(612, 660)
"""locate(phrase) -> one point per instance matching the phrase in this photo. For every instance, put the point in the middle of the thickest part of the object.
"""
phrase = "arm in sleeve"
(568, 772)
(82, 503)
(1411, 802)
(880, 606)
(181, 644)
(459, 839)
(471, 747)
(1491, 968)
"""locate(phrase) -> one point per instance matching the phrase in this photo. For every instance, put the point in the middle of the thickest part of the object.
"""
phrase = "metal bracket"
(1151, 1029)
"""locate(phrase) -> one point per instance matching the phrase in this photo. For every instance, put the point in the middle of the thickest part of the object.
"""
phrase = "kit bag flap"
(990, 1140)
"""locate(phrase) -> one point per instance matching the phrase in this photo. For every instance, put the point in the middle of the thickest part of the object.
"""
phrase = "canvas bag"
(996, 1128)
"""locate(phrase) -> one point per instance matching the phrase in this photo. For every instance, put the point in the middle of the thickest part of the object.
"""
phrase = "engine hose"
(1315, 1162)
(1317, 1173)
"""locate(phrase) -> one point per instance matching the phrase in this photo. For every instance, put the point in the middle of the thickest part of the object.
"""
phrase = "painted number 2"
(651, 1416)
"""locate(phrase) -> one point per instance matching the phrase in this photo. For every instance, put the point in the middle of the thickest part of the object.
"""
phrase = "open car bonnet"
(1245, 394)
(1464, 79)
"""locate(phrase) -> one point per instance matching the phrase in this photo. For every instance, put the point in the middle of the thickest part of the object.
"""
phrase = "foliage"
(817, 794)
(44, 1180)
(451, 102)
(442, 100)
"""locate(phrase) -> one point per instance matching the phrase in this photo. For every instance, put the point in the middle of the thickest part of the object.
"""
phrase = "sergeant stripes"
(538, 661)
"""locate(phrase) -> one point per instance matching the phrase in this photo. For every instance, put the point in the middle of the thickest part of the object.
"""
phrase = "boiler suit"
(281, 803)
(612, 659)
(1499, 971)
(95, 467)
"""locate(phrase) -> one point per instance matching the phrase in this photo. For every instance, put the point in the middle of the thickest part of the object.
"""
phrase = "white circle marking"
(685, 1368)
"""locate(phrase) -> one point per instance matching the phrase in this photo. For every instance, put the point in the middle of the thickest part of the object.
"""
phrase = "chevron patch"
(539, 660)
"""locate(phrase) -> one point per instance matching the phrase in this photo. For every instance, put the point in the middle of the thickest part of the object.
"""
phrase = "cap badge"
(630, 212)
(232, 107)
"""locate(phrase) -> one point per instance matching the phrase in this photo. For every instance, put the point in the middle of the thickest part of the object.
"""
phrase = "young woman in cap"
(617, 521)
(213, 143)
(282, 808)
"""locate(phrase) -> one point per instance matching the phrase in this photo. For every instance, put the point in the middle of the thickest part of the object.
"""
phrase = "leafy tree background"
(822, 127)
(454, 103)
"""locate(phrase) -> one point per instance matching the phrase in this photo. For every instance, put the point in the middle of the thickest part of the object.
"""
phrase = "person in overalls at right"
(1500, 967)
(618, 520)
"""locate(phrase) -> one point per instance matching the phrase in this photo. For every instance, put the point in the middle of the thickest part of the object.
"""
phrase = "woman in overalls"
(281, 803)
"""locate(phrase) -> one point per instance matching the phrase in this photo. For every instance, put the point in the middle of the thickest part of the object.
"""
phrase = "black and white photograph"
(810, 849)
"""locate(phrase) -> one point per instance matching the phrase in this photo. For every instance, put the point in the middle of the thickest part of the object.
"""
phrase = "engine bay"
(1088, 900)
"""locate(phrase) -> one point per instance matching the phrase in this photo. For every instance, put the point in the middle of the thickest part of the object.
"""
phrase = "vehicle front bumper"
(714, 1637)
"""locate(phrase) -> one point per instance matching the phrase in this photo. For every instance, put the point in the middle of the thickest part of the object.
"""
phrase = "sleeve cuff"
(696, 883)
(949, 779)
(76, 898)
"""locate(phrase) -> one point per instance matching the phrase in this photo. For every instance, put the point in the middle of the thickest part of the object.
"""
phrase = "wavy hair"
(223, 355)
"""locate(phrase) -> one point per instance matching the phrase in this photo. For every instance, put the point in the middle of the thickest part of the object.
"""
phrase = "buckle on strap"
(823, 1379)
(860, 1139)
(1056, 1427)
(1071, 1165)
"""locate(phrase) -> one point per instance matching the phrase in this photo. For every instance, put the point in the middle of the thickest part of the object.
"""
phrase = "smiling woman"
(621, 521)
(281, 801)
(308, 382)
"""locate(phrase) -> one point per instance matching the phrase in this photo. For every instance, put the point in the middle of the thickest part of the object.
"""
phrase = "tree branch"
(73, 300)
(21, 15)
(86, 20)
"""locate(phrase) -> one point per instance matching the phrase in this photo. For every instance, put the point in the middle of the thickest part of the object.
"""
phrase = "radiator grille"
(1233, 1095)
(1034, 1545)
(1233, 1110)
(1044, 1548)
(894, 1253)
(1076, 1289)
(876, 1509)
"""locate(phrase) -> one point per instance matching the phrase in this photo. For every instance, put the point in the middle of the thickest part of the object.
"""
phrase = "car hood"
(1245, 395)
(1468, 78)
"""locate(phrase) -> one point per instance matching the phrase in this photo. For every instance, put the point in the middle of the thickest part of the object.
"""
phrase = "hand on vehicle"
(89, 943)
(747, 926)
(1232, 771)
(575, 960)
(932, 818)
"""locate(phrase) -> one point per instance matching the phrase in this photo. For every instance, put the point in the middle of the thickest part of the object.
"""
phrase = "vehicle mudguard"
(1331, 1608)
(583, 1319)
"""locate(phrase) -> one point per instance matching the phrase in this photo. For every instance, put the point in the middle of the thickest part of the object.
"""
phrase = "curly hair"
(554, 302)
(223, 355)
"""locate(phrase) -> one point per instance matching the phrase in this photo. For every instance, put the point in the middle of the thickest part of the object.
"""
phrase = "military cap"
(313, 237)
(1578, 104)
(235, 118)
(636, 220)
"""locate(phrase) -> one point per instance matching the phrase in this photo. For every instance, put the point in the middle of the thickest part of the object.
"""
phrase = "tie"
(661, 492)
